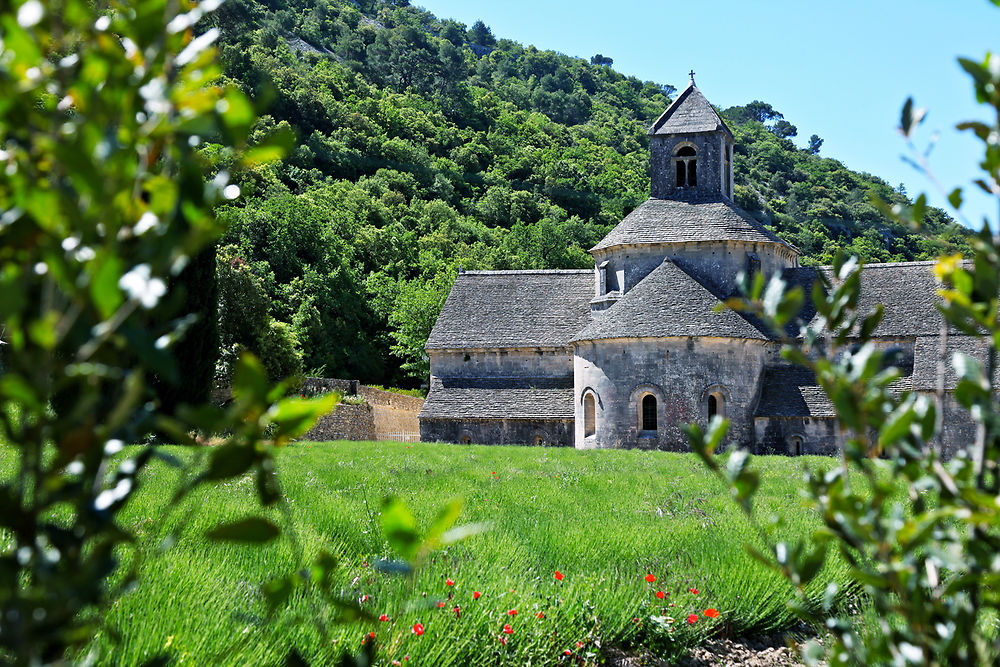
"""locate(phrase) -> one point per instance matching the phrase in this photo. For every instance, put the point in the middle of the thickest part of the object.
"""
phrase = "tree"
(601, 60)
(105, 202)
(814, 145)
(481, 34)
(784, 130)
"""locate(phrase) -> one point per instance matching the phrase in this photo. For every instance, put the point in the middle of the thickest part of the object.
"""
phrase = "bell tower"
(691, 151)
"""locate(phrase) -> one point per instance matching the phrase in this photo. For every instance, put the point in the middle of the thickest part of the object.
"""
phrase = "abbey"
(623, 355)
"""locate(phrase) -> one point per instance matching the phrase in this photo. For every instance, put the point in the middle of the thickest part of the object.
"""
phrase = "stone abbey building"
(626, 353)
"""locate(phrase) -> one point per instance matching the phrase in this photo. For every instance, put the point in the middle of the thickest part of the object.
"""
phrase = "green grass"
(605, 519)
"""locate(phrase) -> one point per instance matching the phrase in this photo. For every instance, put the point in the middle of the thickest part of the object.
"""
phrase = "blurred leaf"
(230, 460)
(252, 530)
(400, 528)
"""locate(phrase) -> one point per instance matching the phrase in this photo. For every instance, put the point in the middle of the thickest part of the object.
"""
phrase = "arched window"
(686, 166)
(589, 415)
(795, 445)
(648, 407)
(716, 405)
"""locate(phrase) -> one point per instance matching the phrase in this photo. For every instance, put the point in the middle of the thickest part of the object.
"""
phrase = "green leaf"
(252, 530)
(294, 416)
(250, 378)
(446, 518)
(230, 460)
(400, 528)
(277, 591)
(104, 286)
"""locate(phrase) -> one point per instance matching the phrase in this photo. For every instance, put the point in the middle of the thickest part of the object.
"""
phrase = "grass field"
(604, 519)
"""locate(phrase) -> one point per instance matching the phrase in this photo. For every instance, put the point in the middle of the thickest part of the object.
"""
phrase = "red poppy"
(441, 605)
(567, 652)
(503, 640)
(449, 582)
(559, 575)
(507, 630)
(397, 663)
(660, 594)
(579, 644)
(364, 598)
(650, 578)
(417, 629)
(692, 619)
(476, 595)
(694, 591)
(383, 618)
(711, 613)
(371, 635)
(457, 610)
(539, 615)
(512, 612)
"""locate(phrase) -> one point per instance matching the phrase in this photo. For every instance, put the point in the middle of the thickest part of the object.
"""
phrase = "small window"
(716, 405)
(589, 415)
(648, 412)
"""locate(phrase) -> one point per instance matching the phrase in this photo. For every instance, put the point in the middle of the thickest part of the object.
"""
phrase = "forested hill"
(424, 145)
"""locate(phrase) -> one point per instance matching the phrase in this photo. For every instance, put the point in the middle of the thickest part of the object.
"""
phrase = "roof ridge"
(700, 104)
(534, 272)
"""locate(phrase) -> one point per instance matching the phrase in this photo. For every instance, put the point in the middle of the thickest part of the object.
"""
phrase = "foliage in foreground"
(103, 203)
(928, 566)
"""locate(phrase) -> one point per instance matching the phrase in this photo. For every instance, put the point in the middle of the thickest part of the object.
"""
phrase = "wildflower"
(512, 612)
(449, 582)
(650, 578)
(579, 644)
(441, 605)
(539, 615)
(635, 620)
(503, 640)
(567, 653)
(692, 619)
(694, 591)
(364, 598)
(417, 629)
(711, 613)
(397, 663)
(457, 610)
(383, 618)
(476, 595)
(559, 575)
(507, 630)
(660, 594)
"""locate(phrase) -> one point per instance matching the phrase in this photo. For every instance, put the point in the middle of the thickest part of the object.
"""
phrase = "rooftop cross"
(691, 74)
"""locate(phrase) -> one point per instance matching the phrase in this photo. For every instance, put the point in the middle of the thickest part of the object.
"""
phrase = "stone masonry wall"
(384, 415)
(680, 373)
(498, 431)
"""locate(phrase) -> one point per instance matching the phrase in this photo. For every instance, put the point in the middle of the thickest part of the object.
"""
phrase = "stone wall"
(797, 435)
(680, 373)
(498, 431)
(345, 422)
(384, 415)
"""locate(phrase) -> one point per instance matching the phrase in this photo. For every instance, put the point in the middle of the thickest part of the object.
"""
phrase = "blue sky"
(841, 70)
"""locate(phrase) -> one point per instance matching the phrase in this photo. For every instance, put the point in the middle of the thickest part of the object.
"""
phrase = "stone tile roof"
(907, 290)
(674, 221)
(499, 398)
(791, 391)
(690, 112)
(666, 303)
(505, 309)
(925, 360)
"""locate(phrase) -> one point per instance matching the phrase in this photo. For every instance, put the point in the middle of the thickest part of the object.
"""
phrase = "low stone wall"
(346, 422)
(384, 415)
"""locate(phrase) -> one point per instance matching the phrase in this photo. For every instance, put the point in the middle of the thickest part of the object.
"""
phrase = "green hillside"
(423, 145)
